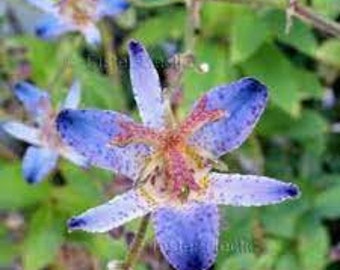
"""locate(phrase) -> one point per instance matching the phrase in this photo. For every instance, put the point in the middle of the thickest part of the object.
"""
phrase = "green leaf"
(106, 248)
(97, 90)
(287, 261)
(329, 8)
(310, 124)
(329, 52)
(309, 84)
(313, 245)
(45, 236)
(168, 25)
(17, 193)
(300, 37)
(288, 214)
(80, 193)
(272, 250)
(39, 54)
(220, 72)
(328, 201)
(248, 33)
(8, 250)
(274, 69)
(216, 14)
(238, 262)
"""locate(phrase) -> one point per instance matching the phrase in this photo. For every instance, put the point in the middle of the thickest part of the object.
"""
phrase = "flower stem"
(137, 244)
(192, 24)
(65, 62)
(307, 15)
(110, 52)
(298, 10)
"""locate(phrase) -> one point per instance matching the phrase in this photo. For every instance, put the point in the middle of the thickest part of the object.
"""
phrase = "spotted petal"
(244, 102)
(188, 237)
(90, 132)
(51, 27)
(114, 213)
(248, 190)
(73, 97)
(38, 163)
(23, 132)
(146, 86)
(111, 7)
(36, 102)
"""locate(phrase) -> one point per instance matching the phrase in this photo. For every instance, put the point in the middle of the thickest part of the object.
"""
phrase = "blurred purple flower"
(171, 162)
(75, 15)
(41, 158)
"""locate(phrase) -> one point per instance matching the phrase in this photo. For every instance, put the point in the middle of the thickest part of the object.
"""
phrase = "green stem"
(65, 62)
(137, 245)
(298, 10)
(307, 15)
(192, 24)
(110, 52)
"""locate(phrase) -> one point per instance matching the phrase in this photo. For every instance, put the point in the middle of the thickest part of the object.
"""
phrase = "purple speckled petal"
(146, 86)
(111, 7)
(73, 97)
(244, 102)
(248, 190)
(114, 213)
(51, 27)
(36, 102)
(188, 237)
(89, 132)
(38, 163)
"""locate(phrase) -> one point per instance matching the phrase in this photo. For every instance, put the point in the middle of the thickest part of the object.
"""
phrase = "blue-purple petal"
(23, 132)
(92, 34)
(248, 190)
(51, 27)
(146, 86)
(244, 101)
(44, 5)
(90, 132)
(112, 7)
(73, 97)
(116, 212)
(188, 237)
(38, 163)
(36, 101)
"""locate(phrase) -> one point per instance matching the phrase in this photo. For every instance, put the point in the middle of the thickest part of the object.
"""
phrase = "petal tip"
(292, 191)
(30, 179)
(255, 85)
(40, 31)
(135, 47)
(18, 86)
(75, 223)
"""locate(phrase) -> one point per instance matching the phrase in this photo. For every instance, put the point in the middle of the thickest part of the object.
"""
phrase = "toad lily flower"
(41, 158)
(172, 162)
(75, 15)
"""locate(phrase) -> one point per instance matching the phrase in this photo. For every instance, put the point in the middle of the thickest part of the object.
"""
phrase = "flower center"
(176, 167)
(79, 12)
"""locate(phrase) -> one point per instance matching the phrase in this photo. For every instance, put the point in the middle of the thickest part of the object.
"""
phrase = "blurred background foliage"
(296, 140)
